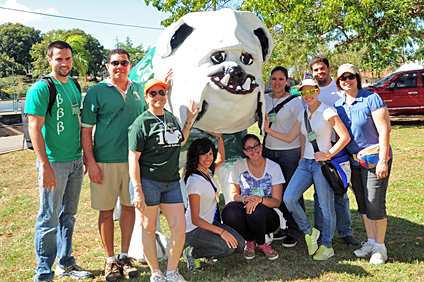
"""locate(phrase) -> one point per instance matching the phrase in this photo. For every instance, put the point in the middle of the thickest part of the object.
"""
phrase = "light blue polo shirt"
(358, 120)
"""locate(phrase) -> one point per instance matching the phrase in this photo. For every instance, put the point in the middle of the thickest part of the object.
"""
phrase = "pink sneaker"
(249, 252)
(268, 252)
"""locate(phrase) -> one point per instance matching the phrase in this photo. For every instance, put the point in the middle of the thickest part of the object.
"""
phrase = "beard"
(63, 73)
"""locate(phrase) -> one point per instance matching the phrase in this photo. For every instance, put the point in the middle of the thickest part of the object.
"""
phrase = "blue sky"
(134, 12)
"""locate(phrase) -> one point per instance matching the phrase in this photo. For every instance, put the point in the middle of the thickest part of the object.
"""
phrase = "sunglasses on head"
(350, 76)
(313, 91)
(123, 63)
(250, 149)
(154, 93)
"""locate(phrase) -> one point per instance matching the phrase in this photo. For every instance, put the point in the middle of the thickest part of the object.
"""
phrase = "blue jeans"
(55, 223)
(343, 221)
(308, 173)
(288, 161)
(207, 244)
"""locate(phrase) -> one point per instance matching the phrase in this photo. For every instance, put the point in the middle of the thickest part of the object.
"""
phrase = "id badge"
(311, 136)
(75, 109)
(258, 192)
(272, 117)
(171, 138)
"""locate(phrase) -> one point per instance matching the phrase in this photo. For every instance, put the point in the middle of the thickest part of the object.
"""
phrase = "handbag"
(369, 156)
(336, 171)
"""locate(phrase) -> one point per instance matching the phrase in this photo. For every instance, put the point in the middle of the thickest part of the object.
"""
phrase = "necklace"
(163, 122)
(75, 107)
(278, 99)
(251, 167)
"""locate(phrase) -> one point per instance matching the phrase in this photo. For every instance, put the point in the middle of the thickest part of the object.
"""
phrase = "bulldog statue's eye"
(246, 58)
(218, 57)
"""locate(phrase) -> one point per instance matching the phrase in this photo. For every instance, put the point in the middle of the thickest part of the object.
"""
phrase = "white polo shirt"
(321, 126)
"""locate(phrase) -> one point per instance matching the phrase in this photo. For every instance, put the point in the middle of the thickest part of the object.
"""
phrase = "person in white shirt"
(323, 120)
(329, 94)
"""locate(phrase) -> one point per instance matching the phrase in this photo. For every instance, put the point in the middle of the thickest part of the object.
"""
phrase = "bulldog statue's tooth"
(216, 59)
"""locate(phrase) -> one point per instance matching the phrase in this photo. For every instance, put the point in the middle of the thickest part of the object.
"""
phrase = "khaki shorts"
(115, 183)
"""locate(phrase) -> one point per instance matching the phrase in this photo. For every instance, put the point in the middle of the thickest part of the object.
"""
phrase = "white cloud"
(21, 17)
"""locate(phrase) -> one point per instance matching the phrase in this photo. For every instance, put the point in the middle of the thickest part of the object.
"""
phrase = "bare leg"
(107, 229)
(174, 214)
(368, 227)
(126, 222)
(148, 236)
(379, 227)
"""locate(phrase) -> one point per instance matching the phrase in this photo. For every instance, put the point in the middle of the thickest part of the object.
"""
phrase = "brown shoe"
(127, 267)
(112, 273)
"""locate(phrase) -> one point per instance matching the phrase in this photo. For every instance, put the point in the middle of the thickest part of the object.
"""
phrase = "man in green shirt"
(56, 140)
(112, 105)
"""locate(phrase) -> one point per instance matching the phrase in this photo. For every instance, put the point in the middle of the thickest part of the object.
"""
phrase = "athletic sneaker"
(290, 242)
(364, 251)
(268, 252)
(311, 241)
(175, 277)
(280, 234)
(323, 253)
(157, 277)
(126, 265)
(210, 260)
(74, 271)
(112, 272)
(249, 252)
(379, 255)
(192, 263)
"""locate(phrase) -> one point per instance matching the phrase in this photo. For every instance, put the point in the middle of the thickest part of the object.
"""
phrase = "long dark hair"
(199, 147)
(286, 74)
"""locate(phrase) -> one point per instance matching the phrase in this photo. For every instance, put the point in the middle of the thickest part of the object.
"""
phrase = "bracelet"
(136, 186)
(223, 230)
(242, 199)
(189, 123)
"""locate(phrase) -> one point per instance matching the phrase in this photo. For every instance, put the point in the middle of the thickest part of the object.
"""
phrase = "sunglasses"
(154, 93)
(303, 93)
(123, 63)
(350, 76)
(250, 149)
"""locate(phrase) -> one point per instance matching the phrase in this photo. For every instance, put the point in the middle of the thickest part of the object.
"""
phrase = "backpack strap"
(53, 92)
(309, 130)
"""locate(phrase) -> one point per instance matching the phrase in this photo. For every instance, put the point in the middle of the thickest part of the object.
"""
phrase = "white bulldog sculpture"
(215, 59)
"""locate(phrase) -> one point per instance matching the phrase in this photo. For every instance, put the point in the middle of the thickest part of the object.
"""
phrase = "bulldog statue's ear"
(172, 38)
(263, 39)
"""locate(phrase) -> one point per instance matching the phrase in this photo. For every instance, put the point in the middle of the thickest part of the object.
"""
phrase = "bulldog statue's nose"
(237, 75)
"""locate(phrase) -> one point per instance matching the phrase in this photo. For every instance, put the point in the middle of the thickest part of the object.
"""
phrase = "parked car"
(403, 92)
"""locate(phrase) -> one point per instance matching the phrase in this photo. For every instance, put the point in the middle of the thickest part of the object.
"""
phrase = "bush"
(8, 88)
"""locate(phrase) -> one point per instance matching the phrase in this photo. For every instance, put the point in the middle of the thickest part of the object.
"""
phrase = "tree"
(136, 53)
(6, 65)
(16, 41)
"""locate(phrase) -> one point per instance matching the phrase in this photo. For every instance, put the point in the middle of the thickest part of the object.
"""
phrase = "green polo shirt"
(106, 108)
(159, 146)
(61, 129)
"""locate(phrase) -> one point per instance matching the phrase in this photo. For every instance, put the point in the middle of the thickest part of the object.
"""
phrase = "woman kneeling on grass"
(256, 188)
(323, 120)
(206, 236)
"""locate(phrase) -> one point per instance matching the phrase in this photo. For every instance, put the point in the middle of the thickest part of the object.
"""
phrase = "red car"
(403, 92)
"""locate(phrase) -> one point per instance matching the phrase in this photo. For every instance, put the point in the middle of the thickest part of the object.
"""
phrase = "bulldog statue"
(215, 59)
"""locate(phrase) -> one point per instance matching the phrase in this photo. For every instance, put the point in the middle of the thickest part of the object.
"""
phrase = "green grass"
(405, 198)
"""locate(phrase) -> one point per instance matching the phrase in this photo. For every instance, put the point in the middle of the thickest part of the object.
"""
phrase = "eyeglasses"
(250, 149)
(350, 76)
(123, 63)
(154, 93)
(313, 91)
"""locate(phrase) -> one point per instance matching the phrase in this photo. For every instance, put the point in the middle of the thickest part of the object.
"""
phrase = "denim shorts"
(156, 193)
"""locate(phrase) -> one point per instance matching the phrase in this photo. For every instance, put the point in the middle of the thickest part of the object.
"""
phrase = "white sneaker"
(379, 255)
(157, 277)
(364, 251)
(175, 277)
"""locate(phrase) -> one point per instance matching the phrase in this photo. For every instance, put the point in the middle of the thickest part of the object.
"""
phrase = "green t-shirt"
(105, 107)
(61, 129)
(160, 148)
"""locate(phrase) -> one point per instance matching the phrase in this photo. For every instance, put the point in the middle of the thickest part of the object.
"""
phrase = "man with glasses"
(329, 94)
(112, 105)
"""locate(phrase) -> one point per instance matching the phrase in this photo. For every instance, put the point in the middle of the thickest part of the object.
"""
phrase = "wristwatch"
(382, 160)
(328, 156)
